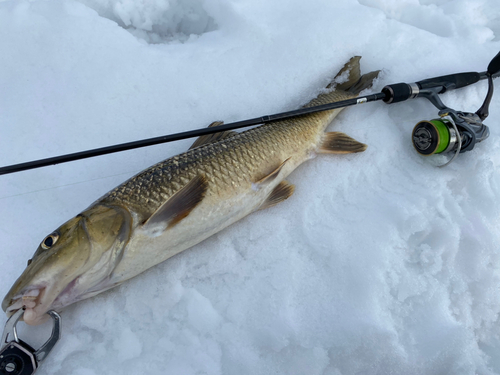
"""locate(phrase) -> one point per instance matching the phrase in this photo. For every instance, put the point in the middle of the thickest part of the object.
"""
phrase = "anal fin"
(282, 191)
(177, 207)
(212, 138)
(340, 143)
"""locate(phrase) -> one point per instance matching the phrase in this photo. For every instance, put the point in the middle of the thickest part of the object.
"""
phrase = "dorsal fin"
(177, 207)
(212, 138)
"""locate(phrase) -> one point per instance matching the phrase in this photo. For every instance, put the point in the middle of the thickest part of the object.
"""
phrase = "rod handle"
(450, 81)
(397, 92)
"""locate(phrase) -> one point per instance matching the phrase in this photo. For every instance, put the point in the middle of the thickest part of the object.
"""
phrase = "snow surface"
(380, 263)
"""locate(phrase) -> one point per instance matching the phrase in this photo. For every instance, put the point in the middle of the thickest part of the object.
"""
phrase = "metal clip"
(19, 358)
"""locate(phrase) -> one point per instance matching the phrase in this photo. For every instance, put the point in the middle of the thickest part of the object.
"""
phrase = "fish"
(177, 203)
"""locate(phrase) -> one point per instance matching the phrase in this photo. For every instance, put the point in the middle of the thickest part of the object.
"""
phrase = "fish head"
(72, 263)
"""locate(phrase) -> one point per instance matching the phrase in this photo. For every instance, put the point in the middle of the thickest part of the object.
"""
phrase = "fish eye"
(49, 241)
(29, 261)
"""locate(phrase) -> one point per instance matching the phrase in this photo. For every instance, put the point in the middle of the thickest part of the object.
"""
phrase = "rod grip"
(397, 92)
(450, 81)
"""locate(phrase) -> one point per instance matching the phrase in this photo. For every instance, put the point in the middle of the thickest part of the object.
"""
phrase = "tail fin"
(355, 82)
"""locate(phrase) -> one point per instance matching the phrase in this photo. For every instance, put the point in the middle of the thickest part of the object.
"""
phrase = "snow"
(380, 263)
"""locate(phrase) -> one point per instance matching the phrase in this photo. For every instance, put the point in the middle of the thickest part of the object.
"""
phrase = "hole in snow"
(157, 21)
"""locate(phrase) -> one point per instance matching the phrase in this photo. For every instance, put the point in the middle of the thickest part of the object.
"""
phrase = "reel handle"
(493, 68)
(494, 65)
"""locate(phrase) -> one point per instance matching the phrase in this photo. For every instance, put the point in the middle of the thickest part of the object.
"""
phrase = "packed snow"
(380, 263)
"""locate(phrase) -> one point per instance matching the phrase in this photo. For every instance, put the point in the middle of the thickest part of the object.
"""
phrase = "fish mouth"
(37, 300)
(32, 300)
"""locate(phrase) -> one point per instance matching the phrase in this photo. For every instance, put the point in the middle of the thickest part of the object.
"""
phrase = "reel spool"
(435, 136)
(442, 136)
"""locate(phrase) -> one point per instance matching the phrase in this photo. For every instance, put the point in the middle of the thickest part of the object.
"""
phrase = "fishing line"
(72, 184)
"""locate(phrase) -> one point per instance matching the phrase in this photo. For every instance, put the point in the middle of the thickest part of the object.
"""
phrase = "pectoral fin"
(177, 207)
(340, 143)
(212, 138)
(282, 191)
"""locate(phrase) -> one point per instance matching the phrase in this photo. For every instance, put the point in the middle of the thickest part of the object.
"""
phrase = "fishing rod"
(453, 132)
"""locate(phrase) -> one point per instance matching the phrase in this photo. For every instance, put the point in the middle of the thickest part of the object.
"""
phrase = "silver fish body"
(176, 204)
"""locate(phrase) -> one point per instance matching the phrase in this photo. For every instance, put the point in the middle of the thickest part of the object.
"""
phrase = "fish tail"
(355, 82)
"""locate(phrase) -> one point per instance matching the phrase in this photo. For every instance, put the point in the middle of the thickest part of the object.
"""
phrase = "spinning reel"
(454, 131)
